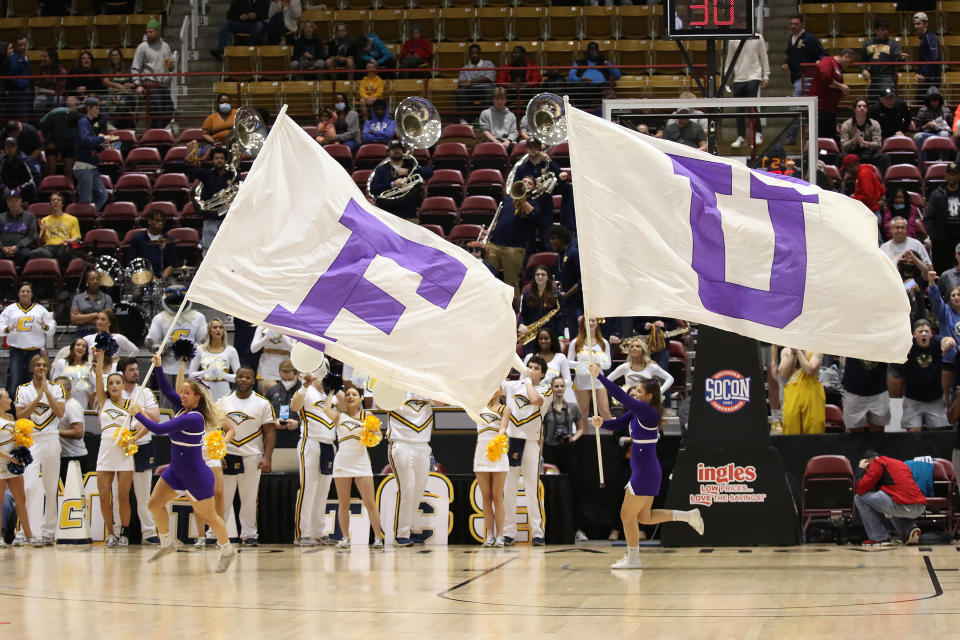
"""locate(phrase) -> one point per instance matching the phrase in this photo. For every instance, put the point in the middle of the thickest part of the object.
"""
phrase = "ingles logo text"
(727, 391)
(729, 483)
(729, 472)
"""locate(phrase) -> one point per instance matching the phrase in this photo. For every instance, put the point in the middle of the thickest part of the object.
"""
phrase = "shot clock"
(720, 19)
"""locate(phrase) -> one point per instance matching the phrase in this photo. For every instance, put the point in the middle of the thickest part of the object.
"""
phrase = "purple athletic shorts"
(189, 473)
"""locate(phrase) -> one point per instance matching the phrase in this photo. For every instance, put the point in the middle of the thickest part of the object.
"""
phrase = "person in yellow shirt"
(804, 400)
(371, 88)
(58, 231)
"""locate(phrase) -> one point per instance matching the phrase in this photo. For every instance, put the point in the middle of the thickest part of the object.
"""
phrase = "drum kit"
(140, 293)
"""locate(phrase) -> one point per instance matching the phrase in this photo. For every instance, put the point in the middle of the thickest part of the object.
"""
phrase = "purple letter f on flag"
(343, 285)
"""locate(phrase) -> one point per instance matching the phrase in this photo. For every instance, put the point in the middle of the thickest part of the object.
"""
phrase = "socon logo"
(727, 391)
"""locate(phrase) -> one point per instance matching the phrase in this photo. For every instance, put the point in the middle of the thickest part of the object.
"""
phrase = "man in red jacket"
(888, 490)
(868, 189)
(417, 51)
(522, 81)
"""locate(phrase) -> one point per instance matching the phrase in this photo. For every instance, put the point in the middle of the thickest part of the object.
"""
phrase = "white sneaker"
(19, 540)
(305, 542)
(3, 543)
(377, 544)
(626, 562)
(344, 543)
(111, 541)
(36, 541)
(498, 543)
(696, 521)
(739, 142)
(227, 556)
(162, 551)
(758, 137)
(201, 543)
(123, 542)
(48, 541)
(580, 536)
(489, 541)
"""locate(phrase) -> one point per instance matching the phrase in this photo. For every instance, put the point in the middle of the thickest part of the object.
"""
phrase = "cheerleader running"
(7, 478)
(642, 416)
(187, 472)
(491, 476)
(352, 462)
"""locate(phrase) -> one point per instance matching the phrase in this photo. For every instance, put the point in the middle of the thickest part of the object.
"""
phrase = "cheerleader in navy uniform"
(642, 416)
(187, 472)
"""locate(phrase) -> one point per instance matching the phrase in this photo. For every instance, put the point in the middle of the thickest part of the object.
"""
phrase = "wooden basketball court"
(469, 592)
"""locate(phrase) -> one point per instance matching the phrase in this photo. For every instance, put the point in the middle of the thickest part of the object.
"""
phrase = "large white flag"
(303, 252)
(667, 230)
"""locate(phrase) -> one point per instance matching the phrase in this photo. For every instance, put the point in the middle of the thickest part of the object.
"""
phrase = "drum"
(109, 269)
(133, 321)
(139, 272)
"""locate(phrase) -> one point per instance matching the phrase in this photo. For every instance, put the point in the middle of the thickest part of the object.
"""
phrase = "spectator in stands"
(154, 245)
(342, 49)
(900, 243)
(522, 81)
(861, 135)
(89, 183)
(474, 82)
(497, 123)
(309, 52)
(59, 232)
(933, 119)
(214, 180)
(119, 101)
(371, 47)
(751, 72)
(87, 304)
(946, 309)
(887, 491)
(416, 52)
(802, 48)
(898, 204)
(18, 230)
(371, 88)
(685, 131)
(347, 124)
(866, 399)
(19, 99)
(153, 55)
(282, 18)
(218, 125)
(60, 128)
(49, 91)
(942, 218)
(243, 16)
(881, 49)
(80, 84)
(951, 277)
(568, 277)
(588, 82)
(394, 173)
(829, 88)
(921, 379)
(17, 172)
(892, 113)
(804, 401)
(326, 126)
(929, 74)
(867, 188)
(381, 127)
(29, 140)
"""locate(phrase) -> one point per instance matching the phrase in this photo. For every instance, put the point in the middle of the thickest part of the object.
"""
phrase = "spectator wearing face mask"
(898, 204)
(218, 125)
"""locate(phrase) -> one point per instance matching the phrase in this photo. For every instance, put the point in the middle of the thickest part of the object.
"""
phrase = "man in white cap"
(929, 52)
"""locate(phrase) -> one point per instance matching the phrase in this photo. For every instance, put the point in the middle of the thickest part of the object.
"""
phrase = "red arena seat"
(489, 155)
(461, 234)
(44, 275)
(100, 241)
(58, 183)
(120, 216)
(828, 490)
(143, 159)
(451, 155)
(446, 182)
(134, 187)
(341, 153)
(477, 209)
(160, 139)
(174, 187)
(85, 213)
(8, 280)
(485, 182)
(370, 155)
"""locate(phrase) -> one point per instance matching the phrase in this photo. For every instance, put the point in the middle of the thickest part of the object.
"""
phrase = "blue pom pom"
(106, 343)
(23, 455)
(16, 469)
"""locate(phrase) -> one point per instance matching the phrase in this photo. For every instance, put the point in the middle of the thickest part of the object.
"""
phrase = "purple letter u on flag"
(343, 285)
(783, 302)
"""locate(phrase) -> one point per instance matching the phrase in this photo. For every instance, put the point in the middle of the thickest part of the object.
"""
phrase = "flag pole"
(593, 389)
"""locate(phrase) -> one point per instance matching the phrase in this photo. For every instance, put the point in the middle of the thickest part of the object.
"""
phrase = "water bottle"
(433, 462)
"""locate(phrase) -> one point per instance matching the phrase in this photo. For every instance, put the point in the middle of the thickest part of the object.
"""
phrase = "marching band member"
(145, 459)
(26, 326)
(250, 451)
(536, 302)
(317, 450)
(43, 403)
(579, 355)
(187, 472)
(521, 423)
(352, 462)
(111, 459)
(642, 419)
(216, 361)
(10, 480)
(276, 348)
(491, 476)
(190, 326)
(77, 368)
(409, 427)
(394, 173)
(537, 165)
(640, 367)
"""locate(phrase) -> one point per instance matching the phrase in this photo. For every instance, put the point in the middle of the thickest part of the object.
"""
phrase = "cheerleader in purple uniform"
(188, 472)
(643, 408)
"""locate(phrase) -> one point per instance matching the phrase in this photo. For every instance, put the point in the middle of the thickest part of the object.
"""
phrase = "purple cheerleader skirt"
(188, 472)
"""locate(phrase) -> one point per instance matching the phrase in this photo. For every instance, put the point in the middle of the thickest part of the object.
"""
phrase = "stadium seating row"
(77, 32)
(856, 18)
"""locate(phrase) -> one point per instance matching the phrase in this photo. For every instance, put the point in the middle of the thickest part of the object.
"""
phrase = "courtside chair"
(828, 488)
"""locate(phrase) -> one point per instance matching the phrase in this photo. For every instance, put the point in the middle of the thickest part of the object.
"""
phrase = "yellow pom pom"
(216, 446)
(23, 432)
(371, 423)
(370, 438)
(497, 447)
(124, 440)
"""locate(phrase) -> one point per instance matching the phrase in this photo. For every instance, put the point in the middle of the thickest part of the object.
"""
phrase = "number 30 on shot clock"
(709, 18)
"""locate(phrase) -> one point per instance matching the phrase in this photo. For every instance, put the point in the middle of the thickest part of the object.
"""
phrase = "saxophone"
(533, 329)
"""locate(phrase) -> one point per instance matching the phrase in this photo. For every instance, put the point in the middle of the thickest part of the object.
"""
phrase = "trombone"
(548, 124)
(420, 126)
